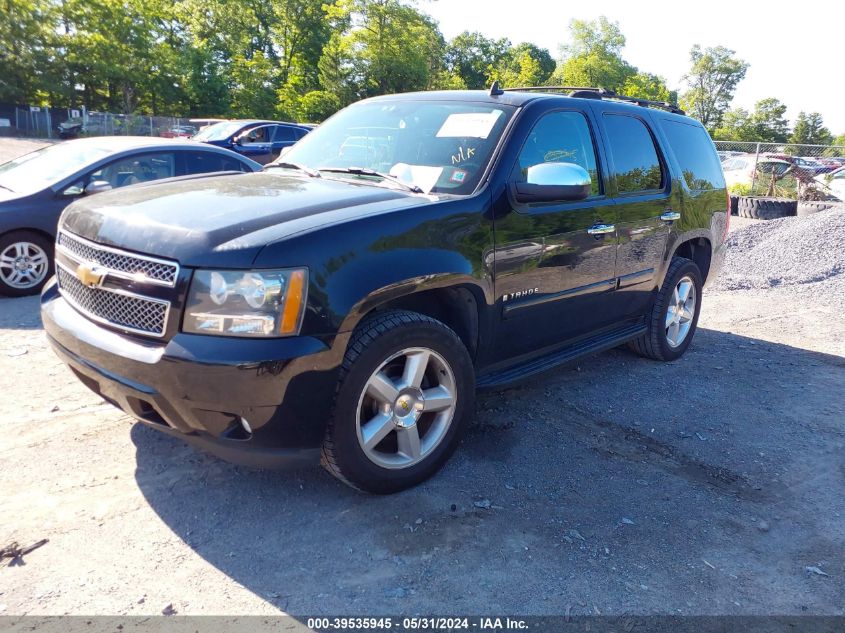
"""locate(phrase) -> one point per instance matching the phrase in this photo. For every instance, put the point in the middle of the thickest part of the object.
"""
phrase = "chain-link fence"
(45, 122)
(783, 170)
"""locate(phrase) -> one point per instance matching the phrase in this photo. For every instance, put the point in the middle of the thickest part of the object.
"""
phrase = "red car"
(179, 131)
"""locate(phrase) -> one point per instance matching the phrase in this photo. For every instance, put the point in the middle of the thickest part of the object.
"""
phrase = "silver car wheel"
(406, 408)
(680, 312)
(23, 265)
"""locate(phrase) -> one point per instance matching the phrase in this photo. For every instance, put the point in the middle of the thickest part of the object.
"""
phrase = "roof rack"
(587, 92)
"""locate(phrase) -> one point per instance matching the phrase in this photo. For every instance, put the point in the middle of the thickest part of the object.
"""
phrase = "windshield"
(44, 167)
(441, 147)
(218, 131)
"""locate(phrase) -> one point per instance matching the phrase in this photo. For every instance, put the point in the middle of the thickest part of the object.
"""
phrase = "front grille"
(138, 314)
(123, 264)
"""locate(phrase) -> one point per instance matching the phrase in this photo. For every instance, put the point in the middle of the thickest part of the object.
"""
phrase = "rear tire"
(26, 263)
(404, 398)
(766, 208)
(683, 282)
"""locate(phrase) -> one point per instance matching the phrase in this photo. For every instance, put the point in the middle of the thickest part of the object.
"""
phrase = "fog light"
(246, 426)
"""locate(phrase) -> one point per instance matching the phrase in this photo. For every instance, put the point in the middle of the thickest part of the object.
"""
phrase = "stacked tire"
(766, 208)
(734, 205)
(809, 208)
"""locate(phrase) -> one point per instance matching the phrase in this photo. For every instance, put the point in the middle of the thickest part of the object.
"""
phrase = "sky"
(796, 49)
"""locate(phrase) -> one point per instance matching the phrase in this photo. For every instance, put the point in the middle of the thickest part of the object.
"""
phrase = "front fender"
(366, 261)
(482, 294)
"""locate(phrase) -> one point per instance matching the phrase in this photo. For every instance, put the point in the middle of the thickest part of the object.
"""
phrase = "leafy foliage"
(712, 80)
(594, 56)
(809, 129)
(305, 59)
(767, 123)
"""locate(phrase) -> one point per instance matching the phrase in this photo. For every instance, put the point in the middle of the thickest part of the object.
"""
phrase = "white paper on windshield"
(423, 176)
(469, 124)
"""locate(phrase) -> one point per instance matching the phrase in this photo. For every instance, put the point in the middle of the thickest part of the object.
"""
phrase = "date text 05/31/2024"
(416, 624)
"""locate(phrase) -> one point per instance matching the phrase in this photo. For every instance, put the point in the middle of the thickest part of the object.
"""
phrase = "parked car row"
(739, 167)
(262, 141)
(258, 139)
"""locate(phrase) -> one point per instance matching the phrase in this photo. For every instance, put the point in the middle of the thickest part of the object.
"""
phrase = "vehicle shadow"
(620, 485)
(20, 313)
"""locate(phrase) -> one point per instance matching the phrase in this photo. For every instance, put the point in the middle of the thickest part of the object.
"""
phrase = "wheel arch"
(455, 300)
(696, 247)
(50, 237)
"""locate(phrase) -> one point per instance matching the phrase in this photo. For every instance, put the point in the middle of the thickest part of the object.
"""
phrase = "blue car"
(262, 141)
(36, 187)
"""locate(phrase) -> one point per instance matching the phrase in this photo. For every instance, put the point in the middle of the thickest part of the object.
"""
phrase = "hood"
(10, 196)
(222, 220)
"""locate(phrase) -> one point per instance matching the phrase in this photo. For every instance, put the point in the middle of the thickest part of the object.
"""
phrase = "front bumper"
(199, 387)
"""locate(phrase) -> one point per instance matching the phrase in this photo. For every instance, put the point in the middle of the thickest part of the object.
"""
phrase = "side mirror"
(553, 182)
(97, 186)
(285, 150)
(239, 140)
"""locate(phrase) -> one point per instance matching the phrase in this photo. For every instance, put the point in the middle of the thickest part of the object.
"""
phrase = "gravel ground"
(711, 485)
(806, 255)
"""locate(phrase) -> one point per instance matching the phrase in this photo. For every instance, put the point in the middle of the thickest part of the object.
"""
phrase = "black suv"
(346, 301)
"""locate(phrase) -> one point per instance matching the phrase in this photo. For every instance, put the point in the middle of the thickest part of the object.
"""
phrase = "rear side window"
(635, 160)
(284, 133)
(205, 162)
(694, 151)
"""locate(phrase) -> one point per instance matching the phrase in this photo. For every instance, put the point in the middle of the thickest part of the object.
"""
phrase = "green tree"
(736, 126)
(30, 69)
(471, 56)
(648, 86)
(523, 65)
(253, 92)
(810, 130)
(594, 56)
(318, 105)
(712, 81)
(767, 123)
(389, 47)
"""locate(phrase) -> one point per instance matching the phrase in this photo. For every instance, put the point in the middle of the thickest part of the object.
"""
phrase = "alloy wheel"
(681, 311)
(406, 408)
(23, 265)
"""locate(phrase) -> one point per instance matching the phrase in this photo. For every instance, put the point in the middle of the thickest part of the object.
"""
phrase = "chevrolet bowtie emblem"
(90, 274)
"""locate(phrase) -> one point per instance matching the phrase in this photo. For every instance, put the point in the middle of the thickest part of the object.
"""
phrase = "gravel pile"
(802, 254)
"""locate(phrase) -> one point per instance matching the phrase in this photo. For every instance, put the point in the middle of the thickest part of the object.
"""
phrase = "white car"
(834, 183)
(740, 170)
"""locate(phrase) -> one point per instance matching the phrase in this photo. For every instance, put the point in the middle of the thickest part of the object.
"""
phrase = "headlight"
(266, 303)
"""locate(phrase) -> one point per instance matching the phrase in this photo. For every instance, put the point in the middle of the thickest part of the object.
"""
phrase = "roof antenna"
(495, 91)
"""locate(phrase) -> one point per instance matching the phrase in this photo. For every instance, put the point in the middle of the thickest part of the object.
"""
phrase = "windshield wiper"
(365, 171)
(310, 172)
(7, 188)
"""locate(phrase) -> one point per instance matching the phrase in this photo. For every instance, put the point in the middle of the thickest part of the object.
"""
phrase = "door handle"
(601, 229)
(670, 216)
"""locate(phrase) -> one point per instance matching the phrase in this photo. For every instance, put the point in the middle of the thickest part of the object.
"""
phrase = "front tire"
(26, 263)
(404, 398)
(674, 314)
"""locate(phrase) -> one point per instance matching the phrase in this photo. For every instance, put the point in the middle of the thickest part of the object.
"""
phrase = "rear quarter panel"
(704, 212)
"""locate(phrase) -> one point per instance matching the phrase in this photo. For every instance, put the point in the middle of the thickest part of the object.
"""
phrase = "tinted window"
(285, 134)
(634, 155)
(561, 137)
(694, 151)
(205, 162)
(135, 169)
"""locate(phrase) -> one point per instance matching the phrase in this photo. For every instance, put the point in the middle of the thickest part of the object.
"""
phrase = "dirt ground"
(710, 485)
